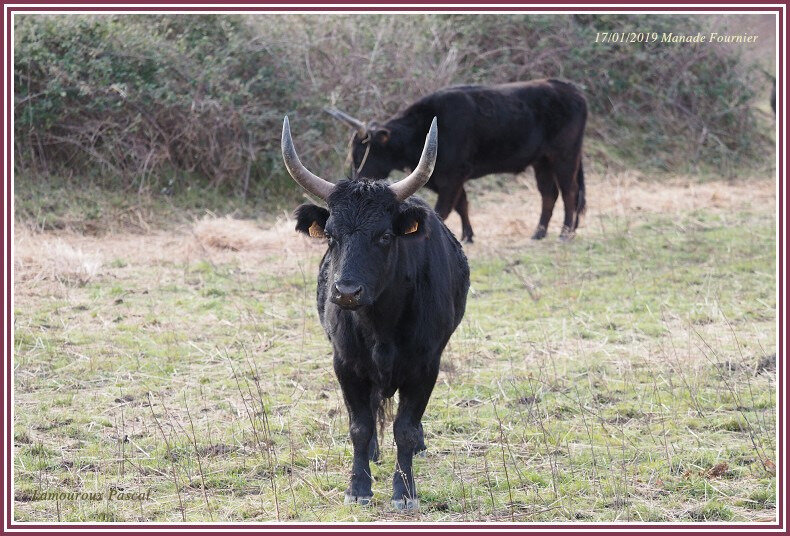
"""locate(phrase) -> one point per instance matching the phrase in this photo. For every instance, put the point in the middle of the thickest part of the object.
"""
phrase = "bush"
(140, 97)
(146, 100)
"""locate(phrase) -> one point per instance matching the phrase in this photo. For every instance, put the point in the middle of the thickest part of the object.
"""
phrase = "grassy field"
(626, 376)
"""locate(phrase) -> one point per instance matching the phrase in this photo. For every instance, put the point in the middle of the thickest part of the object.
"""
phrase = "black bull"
(391, 290)
(486, 129)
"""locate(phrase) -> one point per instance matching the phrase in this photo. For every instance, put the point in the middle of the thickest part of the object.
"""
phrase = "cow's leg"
(449, 198)
(566, 177)
(547, 186)
(362, 427)
(462, 208)
(408, 432)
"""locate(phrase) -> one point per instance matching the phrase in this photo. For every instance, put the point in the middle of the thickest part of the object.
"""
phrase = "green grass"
(601, 380)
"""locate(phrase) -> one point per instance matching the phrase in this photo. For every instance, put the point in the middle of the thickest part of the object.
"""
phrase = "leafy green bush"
(139, 97)
(136, 101)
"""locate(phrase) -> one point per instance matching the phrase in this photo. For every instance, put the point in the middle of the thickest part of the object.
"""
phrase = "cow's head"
(375, 149)
(365, 224)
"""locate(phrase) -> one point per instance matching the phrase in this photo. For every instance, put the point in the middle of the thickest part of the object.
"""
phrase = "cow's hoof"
(406, 505)
(353, 499)
(539, 233)
(567, 234)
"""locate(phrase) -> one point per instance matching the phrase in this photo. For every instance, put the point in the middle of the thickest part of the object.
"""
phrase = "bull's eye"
(385, 239)
(329, 239)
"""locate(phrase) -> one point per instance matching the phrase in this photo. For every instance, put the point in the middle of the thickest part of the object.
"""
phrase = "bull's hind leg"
(408, 436)
(362, 427)
(373, 448)
(420, 448)
(547, 186)
(566, 177)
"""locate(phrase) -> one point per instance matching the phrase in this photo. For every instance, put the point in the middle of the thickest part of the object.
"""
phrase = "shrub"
(143, 100)
(138, 97)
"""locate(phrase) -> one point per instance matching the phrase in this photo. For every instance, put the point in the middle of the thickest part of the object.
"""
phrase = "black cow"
(486, 129)
(391, 290)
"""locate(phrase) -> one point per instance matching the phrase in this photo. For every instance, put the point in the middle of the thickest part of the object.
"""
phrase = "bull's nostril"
(348, 291)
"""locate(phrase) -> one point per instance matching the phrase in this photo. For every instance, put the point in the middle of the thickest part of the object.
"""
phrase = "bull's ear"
(382, 136)
(410, 221)
(311, 219)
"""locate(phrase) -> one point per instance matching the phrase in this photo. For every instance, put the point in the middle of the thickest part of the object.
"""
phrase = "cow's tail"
(581, 202)
(383, 409)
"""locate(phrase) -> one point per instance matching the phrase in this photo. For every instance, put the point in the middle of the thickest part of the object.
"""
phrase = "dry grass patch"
(227, 233)
(57, 260)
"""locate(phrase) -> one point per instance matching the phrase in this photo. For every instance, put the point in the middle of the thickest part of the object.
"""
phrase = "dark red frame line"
(94, 6)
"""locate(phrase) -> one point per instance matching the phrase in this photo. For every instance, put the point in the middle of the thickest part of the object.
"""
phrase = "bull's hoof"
(353, 499)
(567, 234)
(467, 240)
(539, 233)
(406, 505)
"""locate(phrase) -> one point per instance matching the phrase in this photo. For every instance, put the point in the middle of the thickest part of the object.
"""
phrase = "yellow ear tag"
(412, 229)
(316, 231)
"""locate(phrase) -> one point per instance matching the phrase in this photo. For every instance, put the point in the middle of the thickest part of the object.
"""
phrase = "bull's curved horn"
(408, 185)
(358, 125)
(312, 183)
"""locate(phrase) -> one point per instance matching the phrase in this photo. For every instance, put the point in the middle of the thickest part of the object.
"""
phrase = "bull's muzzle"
(347, 295)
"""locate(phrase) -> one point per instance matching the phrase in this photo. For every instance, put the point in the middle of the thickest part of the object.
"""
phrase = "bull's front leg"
(357, 393)
(452, 195)
(409, 439)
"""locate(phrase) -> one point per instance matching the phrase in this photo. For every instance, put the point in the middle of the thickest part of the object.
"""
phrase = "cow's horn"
(360, 127)
(407, 186)
(312, 183)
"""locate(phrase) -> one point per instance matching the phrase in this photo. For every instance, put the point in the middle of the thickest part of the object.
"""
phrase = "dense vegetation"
(155, 103)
